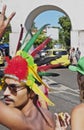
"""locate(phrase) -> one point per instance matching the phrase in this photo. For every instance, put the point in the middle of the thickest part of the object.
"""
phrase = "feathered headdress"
(23, 68)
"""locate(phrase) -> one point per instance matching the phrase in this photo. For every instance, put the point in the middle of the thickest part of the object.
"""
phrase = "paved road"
(64, 91)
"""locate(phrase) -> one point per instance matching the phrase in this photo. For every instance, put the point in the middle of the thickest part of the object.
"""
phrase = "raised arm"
(12, 118)
(77, 117)
(4, 22)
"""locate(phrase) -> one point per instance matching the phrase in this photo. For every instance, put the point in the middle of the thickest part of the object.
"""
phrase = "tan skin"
(77, 115)
(4, 23)
(21, 113)
(19, 110)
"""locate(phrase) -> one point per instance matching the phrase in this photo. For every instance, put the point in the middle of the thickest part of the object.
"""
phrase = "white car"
(42, 53)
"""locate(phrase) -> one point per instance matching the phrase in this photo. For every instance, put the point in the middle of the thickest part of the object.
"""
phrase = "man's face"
(15, 94)
(80, 80)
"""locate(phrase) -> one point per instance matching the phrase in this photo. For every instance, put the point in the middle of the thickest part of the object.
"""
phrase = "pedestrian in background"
(78, 53)
(72, 56)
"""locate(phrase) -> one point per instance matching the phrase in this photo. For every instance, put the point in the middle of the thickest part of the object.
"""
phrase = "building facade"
(27, 11)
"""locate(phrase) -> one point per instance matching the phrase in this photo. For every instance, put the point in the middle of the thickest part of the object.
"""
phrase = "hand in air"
(4, 22)
(62, 120)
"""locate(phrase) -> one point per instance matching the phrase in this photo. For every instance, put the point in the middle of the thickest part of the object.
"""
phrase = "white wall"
(53, 33)
(26, 11)
(77, 40)
(13, 43)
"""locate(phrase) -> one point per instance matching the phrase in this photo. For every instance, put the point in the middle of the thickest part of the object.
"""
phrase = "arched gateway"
(27, 11)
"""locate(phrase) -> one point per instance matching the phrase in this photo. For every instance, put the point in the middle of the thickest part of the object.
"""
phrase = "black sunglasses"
(12, 87)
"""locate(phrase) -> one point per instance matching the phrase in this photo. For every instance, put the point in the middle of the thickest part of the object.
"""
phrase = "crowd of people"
(20, 85)
(74, 55)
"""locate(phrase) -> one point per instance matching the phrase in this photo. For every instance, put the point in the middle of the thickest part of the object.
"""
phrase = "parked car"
(62, 53)
(1, 59)
(5, 48)
(42, 53)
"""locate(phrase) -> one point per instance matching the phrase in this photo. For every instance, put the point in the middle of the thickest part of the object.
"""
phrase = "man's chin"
(9, 104)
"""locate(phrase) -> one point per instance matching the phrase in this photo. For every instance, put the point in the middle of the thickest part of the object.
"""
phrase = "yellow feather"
(37, 90)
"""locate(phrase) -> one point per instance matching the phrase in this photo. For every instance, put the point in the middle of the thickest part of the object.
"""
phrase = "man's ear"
(79, 78)
(32, 94)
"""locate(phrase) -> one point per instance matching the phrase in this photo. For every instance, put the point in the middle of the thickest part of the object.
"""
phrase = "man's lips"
(7, 100)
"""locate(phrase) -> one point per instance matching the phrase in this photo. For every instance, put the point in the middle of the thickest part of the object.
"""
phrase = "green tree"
(6, 35)
(40, 39)
(64, 34)
(5, 38)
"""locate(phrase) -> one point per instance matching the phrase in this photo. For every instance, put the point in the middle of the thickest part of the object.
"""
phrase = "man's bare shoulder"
(77, 117)
(78, 111)
(48, 116)
(78, 108)
(41, 118)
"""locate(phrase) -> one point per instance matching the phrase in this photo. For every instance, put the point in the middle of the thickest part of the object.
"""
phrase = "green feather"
(32, 40)
(24, 40)
(47, 74)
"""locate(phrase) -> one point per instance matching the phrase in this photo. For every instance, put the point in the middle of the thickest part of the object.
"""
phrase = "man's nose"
(7, 91)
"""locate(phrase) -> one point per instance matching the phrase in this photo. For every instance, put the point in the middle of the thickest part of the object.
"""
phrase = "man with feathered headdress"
(19, 85)
(20, 110)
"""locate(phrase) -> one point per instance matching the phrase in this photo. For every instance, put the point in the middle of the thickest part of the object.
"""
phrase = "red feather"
(47, 67)
(20, 38)
(18, 67)
(40, 47)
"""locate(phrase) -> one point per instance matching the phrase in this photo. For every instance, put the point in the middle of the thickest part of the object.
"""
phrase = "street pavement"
(65, 98)
(63, 92)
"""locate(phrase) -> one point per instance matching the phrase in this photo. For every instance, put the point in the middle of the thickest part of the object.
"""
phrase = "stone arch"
(26, 15)
(30, 18)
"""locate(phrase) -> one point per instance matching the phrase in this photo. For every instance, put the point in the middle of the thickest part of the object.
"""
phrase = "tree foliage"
(5, 38)
(6, 35)
(64, 33)
(65, 30)
(41, 38)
